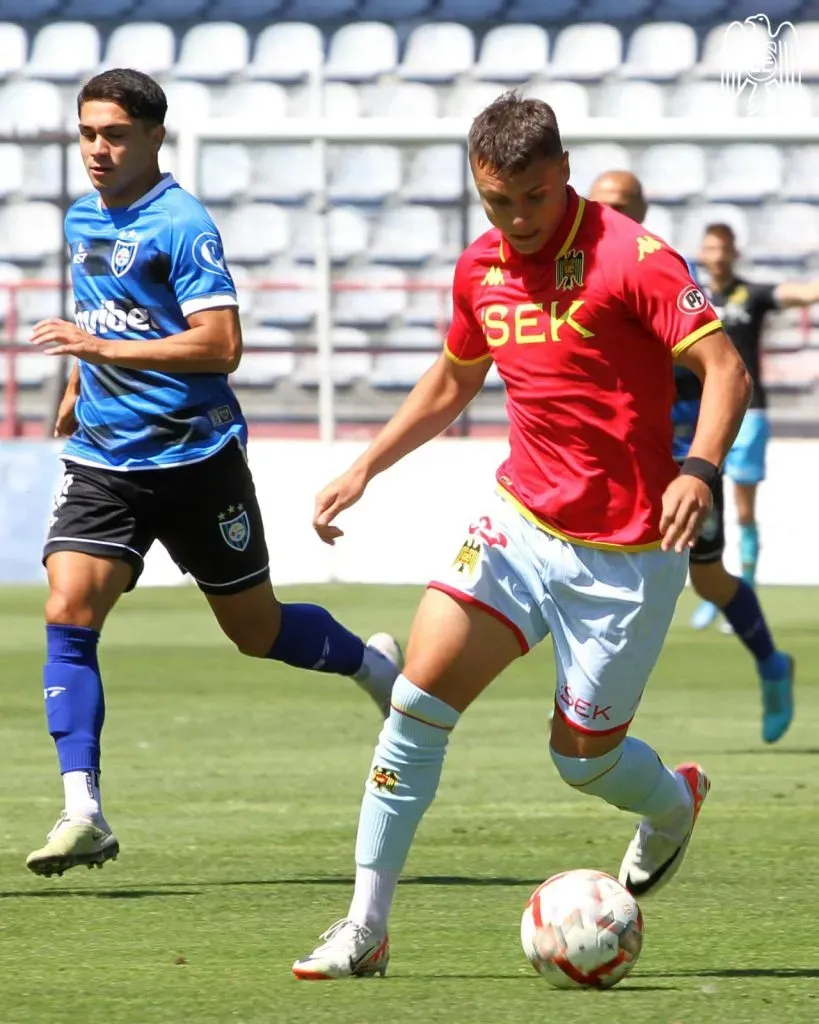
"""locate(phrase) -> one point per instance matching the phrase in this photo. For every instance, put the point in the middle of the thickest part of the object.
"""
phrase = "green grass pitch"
(234, 787)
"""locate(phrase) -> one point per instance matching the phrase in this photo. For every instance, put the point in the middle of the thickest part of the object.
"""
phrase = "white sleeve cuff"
(200, 302)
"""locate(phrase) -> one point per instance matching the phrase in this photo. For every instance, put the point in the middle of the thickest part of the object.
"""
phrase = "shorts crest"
(236, 529)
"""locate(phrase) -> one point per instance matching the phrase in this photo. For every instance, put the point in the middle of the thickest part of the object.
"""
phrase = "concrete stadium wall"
(411, 521)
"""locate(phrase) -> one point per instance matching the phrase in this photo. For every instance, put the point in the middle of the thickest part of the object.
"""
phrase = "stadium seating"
(395, 220)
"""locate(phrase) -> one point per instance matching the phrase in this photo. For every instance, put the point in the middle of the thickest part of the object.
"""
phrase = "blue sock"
(748, 550)
(309, 637)
(75, 705)
(746, 617)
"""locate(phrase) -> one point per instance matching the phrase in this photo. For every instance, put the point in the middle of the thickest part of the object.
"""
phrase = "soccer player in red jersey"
(587, 536)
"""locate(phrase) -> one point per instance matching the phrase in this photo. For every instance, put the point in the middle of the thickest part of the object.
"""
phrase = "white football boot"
(653, 858)
(74, 842)
(349, 950)
(383, 662)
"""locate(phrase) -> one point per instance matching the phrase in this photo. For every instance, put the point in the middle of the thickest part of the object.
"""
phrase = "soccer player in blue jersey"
(155, 450)
(709, 577)
(743, 306)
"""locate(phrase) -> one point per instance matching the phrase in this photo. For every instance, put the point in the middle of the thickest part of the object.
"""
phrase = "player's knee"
(67, 609)
(579, 772)
(252, 641)
(712, 582)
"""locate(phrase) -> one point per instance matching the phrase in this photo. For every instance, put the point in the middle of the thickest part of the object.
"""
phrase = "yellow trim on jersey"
(689, 339)
(501, 253)
(464, 362)
(578, 217)
(599, 545)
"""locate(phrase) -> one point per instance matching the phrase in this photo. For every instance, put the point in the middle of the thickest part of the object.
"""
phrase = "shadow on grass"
(100, 894)
(743, 972)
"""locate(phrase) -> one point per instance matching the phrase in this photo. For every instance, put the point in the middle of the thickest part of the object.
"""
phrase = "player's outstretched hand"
(686, 503)
(340, 494)
(66, 339)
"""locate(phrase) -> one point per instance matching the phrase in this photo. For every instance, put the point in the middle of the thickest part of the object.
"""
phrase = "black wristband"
(702, 469)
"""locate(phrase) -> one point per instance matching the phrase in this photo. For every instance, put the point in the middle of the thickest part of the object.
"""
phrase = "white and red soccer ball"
(582, 929)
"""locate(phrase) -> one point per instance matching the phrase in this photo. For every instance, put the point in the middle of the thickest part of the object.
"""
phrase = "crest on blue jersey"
(235, 530)
(123, 256)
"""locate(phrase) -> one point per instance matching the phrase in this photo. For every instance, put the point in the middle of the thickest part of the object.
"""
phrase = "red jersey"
(583, 333)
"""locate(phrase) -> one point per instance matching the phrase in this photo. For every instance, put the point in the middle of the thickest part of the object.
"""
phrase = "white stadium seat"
(513, 53)
(784, 233)
(362, 51)
(429, 298)
(661, 52)
(348, 235)
(408, 234)
(252, 101)
(345, 367)
(809, 50)
(707, 101)
(586, 52)
(694, 220)
(213, 52)
(263, 369)
(293, 306)
(370, 306)
(366, 174)
(587, 161)
(403, 101)
(470, 98)
(286, 52)
(801, 180)
(27, 107)
(255, 232)
(400, 369)
(29, 232)
(569, 100)
(224, 171)
(148, 46)
(64, 51)
(732, 52)
(438, 53)
(44, 173)
(13, 48)
(660, 222)
(12, 169)
(188, 104)
(628, 100)
(673, 172)
(339, 100)
(436, 174)
(745, 173)
(286, 173)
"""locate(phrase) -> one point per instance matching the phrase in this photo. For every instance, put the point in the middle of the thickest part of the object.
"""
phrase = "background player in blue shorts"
(709, 577)
(156, 448)
(742, 306)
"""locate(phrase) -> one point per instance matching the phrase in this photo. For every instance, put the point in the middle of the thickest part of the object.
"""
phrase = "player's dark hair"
(723, 231)
(512, 132)
(137, 93)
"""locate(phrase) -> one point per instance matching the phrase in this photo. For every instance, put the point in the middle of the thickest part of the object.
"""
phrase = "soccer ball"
(582, 929)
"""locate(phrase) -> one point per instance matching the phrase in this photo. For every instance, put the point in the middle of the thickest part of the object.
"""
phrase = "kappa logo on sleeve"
(691, 300)
(647, 245)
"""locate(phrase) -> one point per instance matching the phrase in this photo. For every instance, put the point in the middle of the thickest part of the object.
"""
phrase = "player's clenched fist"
(686, 503)
(340, 494)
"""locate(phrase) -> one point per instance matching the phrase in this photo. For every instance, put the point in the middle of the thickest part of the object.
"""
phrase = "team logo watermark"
(569, 270)
(123, 255)
(759, 66)
(235, 527)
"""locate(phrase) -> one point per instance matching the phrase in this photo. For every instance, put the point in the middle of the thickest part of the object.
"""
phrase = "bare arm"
(438, 398)
(796, 293)
(66, 422)
(211, 344)
(726, 391)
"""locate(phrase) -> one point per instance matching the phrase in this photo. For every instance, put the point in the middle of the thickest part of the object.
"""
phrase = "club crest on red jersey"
(569, 270)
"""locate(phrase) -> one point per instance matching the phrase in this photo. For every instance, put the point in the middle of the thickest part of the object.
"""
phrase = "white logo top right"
(759, 66)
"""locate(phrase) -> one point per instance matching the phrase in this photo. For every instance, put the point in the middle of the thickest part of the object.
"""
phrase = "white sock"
(372, 899)
(82, 794)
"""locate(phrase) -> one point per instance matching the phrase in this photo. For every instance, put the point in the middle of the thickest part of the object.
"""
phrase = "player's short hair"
(137, 93)
(723, 231)
(512, 132)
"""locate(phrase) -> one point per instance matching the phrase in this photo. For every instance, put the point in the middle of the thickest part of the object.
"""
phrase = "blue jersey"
(686, 409)
(137, 273)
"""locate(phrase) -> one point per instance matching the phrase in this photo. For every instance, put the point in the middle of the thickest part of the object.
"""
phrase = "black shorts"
(205, 514)
(711, 541)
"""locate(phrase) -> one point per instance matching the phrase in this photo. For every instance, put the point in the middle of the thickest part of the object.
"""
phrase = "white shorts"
(608, 611)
